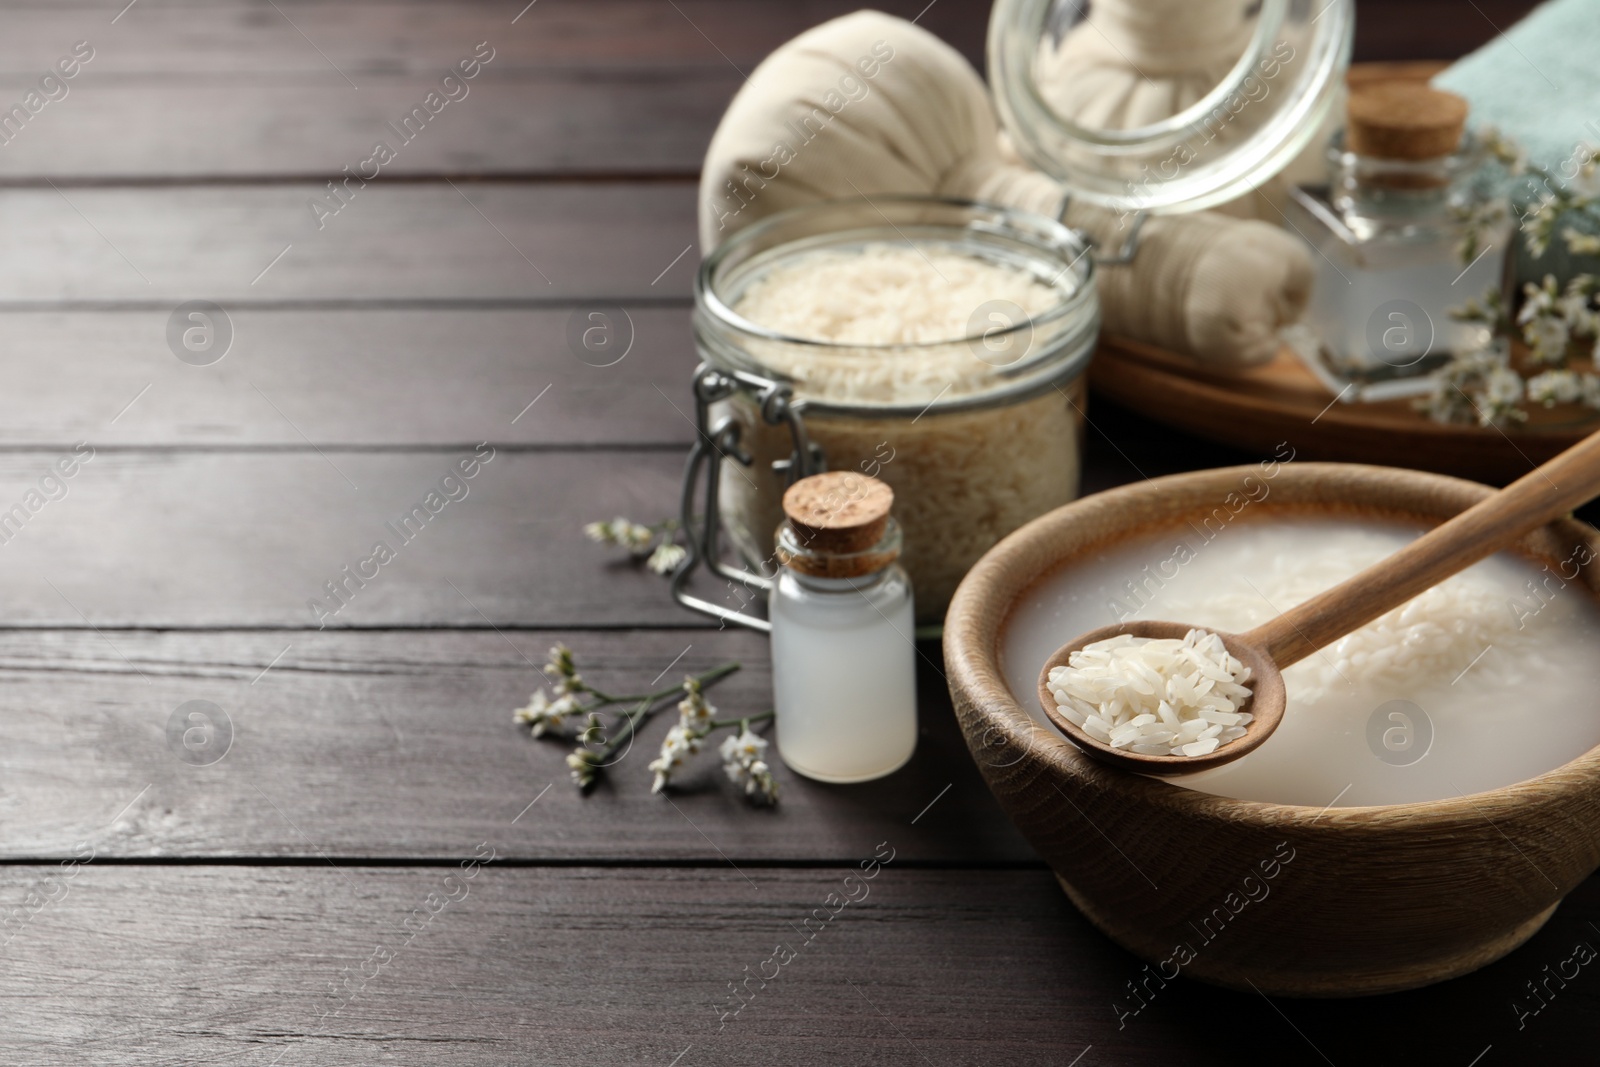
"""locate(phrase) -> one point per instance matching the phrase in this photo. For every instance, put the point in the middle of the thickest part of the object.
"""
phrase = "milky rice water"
(1487, 679)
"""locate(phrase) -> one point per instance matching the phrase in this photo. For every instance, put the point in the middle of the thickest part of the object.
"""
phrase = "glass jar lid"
(1165, 105)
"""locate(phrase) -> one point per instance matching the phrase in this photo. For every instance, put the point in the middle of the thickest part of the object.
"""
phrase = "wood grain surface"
(445, 377)
(625, 88)
(476, 243)
(399, 744)
(312, 964)
(237, 912)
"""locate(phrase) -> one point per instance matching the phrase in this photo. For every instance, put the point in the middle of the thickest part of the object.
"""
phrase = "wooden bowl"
(1361, 900)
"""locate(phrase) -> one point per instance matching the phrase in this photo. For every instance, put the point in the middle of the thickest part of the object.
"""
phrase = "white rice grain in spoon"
(1156, 696)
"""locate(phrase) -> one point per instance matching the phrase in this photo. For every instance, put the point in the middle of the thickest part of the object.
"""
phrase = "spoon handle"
(1546, 493)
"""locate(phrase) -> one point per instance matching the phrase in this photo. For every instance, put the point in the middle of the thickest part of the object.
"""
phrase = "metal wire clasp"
(715, 443)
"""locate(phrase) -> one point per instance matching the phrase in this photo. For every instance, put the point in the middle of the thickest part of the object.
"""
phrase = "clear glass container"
(1287, 58)
(843, 662)
(976, 435)
(1387, 237)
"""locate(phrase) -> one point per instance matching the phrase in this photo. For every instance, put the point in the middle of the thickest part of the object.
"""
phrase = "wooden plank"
(401, 745)
(163, 538)
(368, 378)
(400, 244)
(640, 85)
(234, 39)
(169, 539)
(246, 538)
(240, 131)
(147, 965)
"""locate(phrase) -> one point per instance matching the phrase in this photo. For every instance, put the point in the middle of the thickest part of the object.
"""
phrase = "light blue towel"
(1539, 81)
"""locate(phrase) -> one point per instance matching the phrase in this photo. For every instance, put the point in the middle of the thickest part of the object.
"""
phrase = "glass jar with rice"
(938, 345)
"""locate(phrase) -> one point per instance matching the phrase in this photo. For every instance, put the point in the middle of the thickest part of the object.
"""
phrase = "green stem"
(630, 726)
(644, 708)
(706, 680)
(744, 722)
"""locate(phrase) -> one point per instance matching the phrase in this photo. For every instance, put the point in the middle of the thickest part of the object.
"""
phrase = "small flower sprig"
(602, 743)
(1573, 190)
(742, 754)
(1477, 219)
(1552, 320)
(1482, 386)
(1560, 327)
(744, 763)
(640, 540)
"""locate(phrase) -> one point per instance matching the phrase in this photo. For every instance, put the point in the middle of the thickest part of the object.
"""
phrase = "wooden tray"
(1282, 402)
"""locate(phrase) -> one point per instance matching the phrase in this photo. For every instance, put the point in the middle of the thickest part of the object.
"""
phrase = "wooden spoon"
(1549, 492)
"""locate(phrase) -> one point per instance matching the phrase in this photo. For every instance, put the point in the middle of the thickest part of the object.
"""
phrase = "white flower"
(743, 763)
(543, 714)
(1575, 310)
(1554, 387)
(594, 731)
(563, 667)
(1538, 226)
(1502, 390)
(1539, 299)
(1547, 320)
(1458, 387)
(762, 787)
(1502, 386)
(538, 704)
(560, 661)
(584, 766)
(665, 559)
(1580, 243)
(738, 751)
(633, 536)
(681, 742)
(1504, 149)
(1591, 391)
(693, 710)
(685, 738)
(1548, 337)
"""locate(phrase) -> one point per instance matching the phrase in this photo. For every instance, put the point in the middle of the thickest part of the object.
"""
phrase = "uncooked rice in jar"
(962, 479)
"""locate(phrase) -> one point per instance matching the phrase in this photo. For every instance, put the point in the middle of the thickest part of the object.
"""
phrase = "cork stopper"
(1404, 120)
(835, 520)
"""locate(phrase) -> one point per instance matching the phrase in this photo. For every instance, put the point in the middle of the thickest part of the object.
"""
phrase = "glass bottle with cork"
(1387, 233)
(843, 658)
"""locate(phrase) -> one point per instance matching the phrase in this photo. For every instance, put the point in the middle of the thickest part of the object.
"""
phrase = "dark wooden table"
(301, 899)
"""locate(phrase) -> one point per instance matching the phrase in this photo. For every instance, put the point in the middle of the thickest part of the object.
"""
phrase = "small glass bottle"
(1386, 235)
(843, 661)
